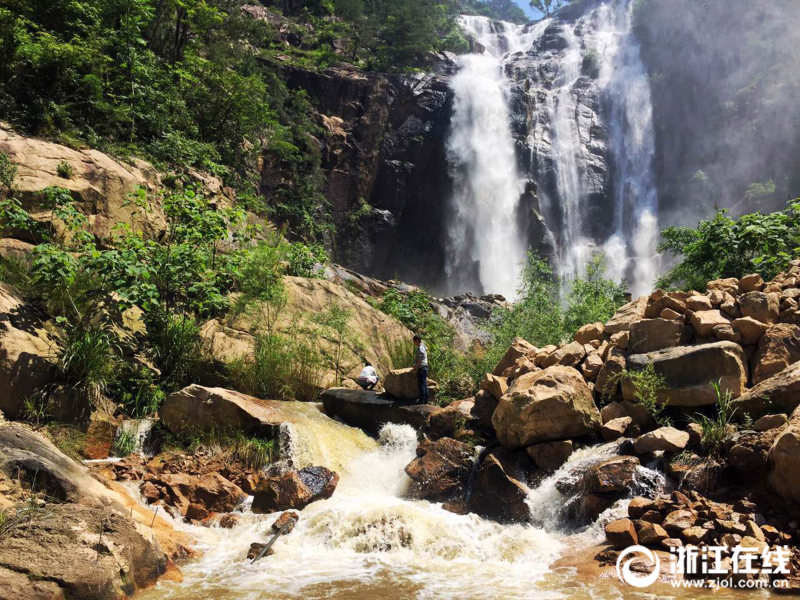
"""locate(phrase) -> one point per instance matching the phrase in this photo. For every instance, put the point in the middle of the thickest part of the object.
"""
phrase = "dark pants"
(422, 382)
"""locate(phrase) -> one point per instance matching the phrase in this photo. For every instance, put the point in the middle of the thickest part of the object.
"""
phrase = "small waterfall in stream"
(573, 97)
(370, 540)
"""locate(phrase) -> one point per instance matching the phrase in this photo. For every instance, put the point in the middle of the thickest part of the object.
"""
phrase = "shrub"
(647, 383)
(124, 443)
(715, 427)
(175, 349)
(65, 170)
(87, 362)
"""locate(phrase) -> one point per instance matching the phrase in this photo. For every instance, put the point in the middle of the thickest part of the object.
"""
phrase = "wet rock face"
(441, 469)
(294, 489)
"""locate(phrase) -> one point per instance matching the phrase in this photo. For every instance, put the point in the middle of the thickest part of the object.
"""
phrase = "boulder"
(729, 285)
(649, 335)
(614, 475)
(726, 333)
(621, 534)
(621, 339)
(778, 348)
(370, 410)
(547, 405)
(568, 356)
(482, 411)
(705, 321)
(402, 384)
(549, 456)
(497, 386)
(441, 469)
(689, 371)
(100, 186)
(670, 314)
(625, 315)
(751, 283)
(678, 520)
(198, 407)
(784, 461)
(779, 392)
(497, 495)
(667, 439)
(615, 428)
(698, 303)
(27, 353)
(589, 333)
(651, 533)
(210, 492)
(519, 348)
(591, 366)
(447, 422)
(768, 422)
(294, 489)
(221, 345)
(607, 380)
(760, 306)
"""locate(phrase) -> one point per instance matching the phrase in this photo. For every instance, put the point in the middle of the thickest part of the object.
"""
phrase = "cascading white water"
(626, 86)
(484, 229)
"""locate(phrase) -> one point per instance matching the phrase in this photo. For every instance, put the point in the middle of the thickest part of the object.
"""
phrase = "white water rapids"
(369, 540)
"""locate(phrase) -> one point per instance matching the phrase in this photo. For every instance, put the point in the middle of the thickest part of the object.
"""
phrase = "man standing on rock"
(421, 368)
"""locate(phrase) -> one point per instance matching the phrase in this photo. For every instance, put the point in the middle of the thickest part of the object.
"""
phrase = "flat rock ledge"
(369, 410)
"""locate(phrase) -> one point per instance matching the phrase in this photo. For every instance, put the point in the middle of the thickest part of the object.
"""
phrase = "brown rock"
(621, 534)
(547, 405)
(608, 377)
(568, 356)
(256, 548)
(289, 517)
(613, 410)
(726, 333)
(150, 492)
(705, 321)
(402, 383)
(294, 489)
(671, 543)
(496, 495)
(667, 439)
(613, 475)
(519, 348)
(649, 335)
(689, 370)
(778, 348)
(670, 314)
(445, 423)
(754, 531)
(729, 285)
(621, 339)
(751, 283)
(760, 306)
(588, 333)
(591, 366)
(651, 534)
(768, 422)
(639, 506)
(779, 392)
(627, 314)
(441, 469)
(615, 428)
(678, 520)
(229, 521)
(784, 460)
(549, 456)
(695, 432)
(497, 386)
(750, 329)
(695, 535)
(698, 303)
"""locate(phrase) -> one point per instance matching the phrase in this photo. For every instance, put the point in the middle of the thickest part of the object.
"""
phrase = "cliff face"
(383, 155)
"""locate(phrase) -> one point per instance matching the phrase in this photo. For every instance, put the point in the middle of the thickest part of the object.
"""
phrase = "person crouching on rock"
(421, 368)
(368, 378)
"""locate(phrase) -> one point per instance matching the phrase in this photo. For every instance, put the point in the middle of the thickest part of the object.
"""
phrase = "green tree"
(548, 7)
(725, 247)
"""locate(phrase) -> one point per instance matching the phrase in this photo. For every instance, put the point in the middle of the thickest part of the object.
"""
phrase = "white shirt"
(369, 374)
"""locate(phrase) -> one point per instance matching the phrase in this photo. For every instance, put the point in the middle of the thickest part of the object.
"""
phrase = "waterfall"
(484, 232)
(589, 139)
(626, 86)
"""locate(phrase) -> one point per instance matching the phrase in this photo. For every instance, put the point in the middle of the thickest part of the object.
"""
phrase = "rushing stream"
(371, 541)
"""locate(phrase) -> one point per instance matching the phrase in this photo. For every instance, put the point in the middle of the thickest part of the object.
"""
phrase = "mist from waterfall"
(484, 232)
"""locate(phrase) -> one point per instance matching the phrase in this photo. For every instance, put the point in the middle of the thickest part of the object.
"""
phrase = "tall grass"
(253, 451)
(647, 384)
(88, 362)
(280, 368)
(715, 427)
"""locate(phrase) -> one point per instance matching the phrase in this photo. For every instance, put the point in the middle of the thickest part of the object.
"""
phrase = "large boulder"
(370, 411)
(780, 392)
(705, 321)
(519, 348)
(760, 306)
(778, 348)
(447, 422)
(589, 333)
(568, 356)
(495, 494)
(294, 489)
(373, 335)
(689, 371)
(629, 313)
(546, 405)
(494, 384)
(59, 543)
(402, 384)
(198, 495)
(666, 439)
(203, 408)
(441, 469)
(749, 329)
(27, 352)
(784, 461)
(649, 335)
(100, 186)
(608, 376)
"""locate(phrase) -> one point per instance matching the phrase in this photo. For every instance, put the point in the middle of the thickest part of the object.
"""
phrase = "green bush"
(647, 384)
(715, 427)
(65, 170)
(724, 247)
(87, 362)
(175, 349)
